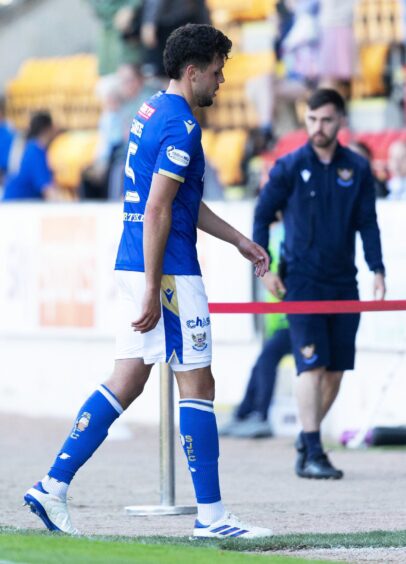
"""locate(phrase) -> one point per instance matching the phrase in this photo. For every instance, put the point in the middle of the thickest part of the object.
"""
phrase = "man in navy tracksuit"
(326, 194)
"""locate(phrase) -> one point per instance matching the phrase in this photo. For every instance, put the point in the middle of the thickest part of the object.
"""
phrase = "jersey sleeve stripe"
(171, 175)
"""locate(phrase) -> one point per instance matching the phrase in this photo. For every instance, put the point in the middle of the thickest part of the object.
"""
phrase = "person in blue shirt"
(325, 193)
(163, 310)
(34, 179)
(6, 139)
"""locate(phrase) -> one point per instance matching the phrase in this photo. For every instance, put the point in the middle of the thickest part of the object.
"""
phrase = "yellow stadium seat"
(225, 150)
(69, 154)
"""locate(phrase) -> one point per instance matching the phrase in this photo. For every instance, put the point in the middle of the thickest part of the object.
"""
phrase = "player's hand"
(379, 286)
(274, 284)
(151, 312)
(255, 254)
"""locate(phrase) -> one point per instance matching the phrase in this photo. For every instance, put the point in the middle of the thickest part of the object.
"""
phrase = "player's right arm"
(157, 225)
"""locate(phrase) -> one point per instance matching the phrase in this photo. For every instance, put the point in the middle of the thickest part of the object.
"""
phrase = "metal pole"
(166, 455)
(166, 437)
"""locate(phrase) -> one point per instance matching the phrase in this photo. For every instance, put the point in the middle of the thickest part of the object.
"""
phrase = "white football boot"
(51, 509)
(229, 526)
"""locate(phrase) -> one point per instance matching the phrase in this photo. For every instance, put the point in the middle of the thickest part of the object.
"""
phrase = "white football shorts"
(182, 336)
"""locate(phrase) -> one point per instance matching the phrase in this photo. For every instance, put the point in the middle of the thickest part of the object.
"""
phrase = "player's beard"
(204, 100)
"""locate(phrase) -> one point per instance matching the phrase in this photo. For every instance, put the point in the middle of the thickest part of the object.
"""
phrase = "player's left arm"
(367, 224)
(211, 223)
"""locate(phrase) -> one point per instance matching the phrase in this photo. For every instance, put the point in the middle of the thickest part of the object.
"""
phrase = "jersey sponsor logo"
(305, 174)
(146, 111)
(198, 322)
(132, 196)
(169, 294)
(190, 125)
(199, 341)
(137, 127)
(309, 354)
(133, 217)
(345, 177)
(177, 156)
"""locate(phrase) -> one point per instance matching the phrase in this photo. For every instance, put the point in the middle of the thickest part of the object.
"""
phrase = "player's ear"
(190, 72)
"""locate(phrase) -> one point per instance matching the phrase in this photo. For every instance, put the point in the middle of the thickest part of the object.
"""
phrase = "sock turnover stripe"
(110, 398)
(201, 401)
(197, 406)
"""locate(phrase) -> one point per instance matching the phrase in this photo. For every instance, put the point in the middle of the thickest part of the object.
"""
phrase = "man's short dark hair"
(324, 96)
(40, 122)
(196, 44)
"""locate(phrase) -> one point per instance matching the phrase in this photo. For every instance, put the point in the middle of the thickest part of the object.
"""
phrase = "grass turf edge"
(303, 541)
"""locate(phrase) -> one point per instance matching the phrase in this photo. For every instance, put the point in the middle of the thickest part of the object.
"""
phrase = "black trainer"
(320, 468)
(301, 454)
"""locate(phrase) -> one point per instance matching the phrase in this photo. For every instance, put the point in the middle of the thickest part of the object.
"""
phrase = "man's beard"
(324, 141)
(204, 101)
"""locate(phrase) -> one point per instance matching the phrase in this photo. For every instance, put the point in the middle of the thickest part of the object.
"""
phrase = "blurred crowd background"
(82, 68)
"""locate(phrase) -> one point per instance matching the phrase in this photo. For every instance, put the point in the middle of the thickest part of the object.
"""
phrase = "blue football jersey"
(33, 176)
(165, 138)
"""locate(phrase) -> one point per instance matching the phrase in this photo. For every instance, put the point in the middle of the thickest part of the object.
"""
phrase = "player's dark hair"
(196, 44)
(40, 122)
(324, 96)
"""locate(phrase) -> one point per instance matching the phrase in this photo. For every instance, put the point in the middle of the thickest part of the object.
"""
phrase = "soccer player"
(326, 194)
(162, 302)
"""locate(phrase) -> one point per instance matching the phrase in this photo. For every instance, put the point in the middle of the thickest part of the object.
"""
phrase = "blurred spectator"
(159, 19)
(113, 46)
(337, 45)
(34, 179)
(295, 48)
(6, 139)
(133, 91)
(95, 177)
(251, 418)
(397, 170)
(362, 149)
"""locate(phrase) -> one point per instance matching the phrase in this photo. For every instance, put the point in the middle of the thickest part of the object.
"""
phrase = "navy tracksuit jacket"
(323, 206)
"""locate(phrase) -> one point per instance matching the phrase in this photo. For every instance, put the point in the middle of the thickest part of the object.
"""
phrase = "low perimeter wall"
(57, 320)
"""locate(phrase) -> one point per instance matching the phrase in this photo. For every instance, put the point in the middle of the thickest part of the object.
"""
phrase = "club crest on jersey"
(177, 156)
(308, 354)
(146, 111)
(345, 176)
(199, 341)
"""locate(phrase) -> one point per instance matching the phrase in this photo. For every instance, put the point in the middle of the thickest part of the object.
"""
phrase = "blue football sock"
(313, 444)
(198, 431)
(89, 431)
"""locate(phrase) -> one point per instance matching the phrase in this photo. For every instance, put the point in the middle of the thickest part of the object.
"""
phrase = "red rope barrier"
(342, 306)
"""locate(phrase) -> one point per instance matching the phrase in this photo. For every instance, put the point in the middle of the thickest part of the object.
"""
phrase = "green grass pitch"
(30, 547)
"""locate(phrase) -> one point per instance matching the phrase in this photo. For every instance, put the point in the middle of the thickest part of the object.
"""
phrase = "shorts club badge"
(199, 341)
